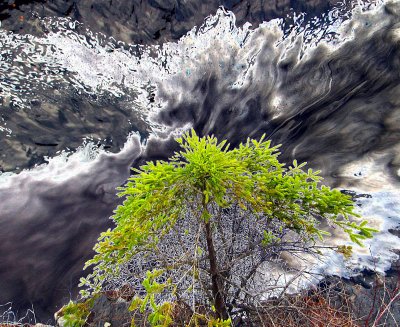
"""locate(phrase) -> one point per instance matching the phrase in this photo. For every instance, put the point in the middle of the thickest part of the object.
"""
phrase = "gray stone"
(107, 311)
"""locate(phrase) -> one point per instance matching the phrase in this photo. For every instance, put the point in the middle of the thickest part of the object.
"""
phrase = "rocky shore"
(369, 299)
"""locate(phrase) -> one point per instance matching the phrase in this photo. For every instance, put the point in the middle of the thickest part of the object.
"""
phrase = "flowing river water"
(83, 101)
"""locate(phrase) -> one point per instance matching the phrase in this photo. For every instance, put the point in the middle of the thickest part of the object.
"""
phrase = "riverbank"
(369, 299)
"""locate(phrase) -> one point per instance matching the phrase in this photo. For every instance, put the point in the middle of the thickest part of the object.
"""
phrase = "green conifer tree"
(198, 230)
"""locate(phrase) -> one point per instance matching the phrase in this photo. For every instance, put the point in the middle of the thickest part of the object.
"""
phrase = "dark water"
(333, 105)
(57, 117)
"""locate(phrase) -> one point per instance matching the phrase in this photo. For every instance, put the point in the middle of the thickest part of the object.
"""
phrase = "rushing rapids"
(80, 108)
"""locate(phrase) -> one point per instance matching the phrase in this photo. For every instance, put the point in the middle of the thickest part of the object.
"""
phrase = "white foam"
(93, 65)
(68, 164)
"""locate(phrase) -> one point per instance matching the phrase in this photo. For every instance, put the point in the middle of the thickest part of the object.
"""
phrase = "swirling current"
(89, 91)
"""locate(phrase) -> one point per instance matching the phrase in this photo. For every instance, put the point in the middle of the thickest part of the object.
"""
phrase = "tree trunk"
(216, 280)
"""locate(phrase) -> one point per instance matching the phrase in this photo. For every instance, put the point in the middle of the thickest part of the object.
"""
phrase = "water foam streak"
(331, 98)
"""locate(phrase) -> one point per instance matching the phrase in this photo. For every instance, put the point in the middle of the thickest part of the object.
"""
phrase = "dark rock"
(106, 310)
(395, 232)
(373, 299)
(149, 22)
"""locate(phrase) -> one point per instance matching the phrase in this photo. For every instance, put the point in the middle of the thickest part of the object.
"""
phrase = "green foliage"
(75, 314)
(160, 315)
(211, 322)
(203, 176)
(270, 238)
(346, 250)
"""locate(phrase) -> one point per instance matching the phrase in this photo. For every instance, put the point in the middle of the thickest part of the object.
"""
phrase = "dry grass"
(330, 305)
(304, 310)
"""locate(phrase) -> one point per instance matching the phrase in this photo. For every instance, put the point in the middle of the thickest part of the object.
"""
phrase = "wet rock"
(373, 299)
(149, 22)
(113, 312)
(110, 308)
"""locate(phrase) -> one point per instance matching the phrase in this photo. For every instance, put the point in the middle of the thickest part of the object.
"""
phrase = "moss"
(75, 314)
